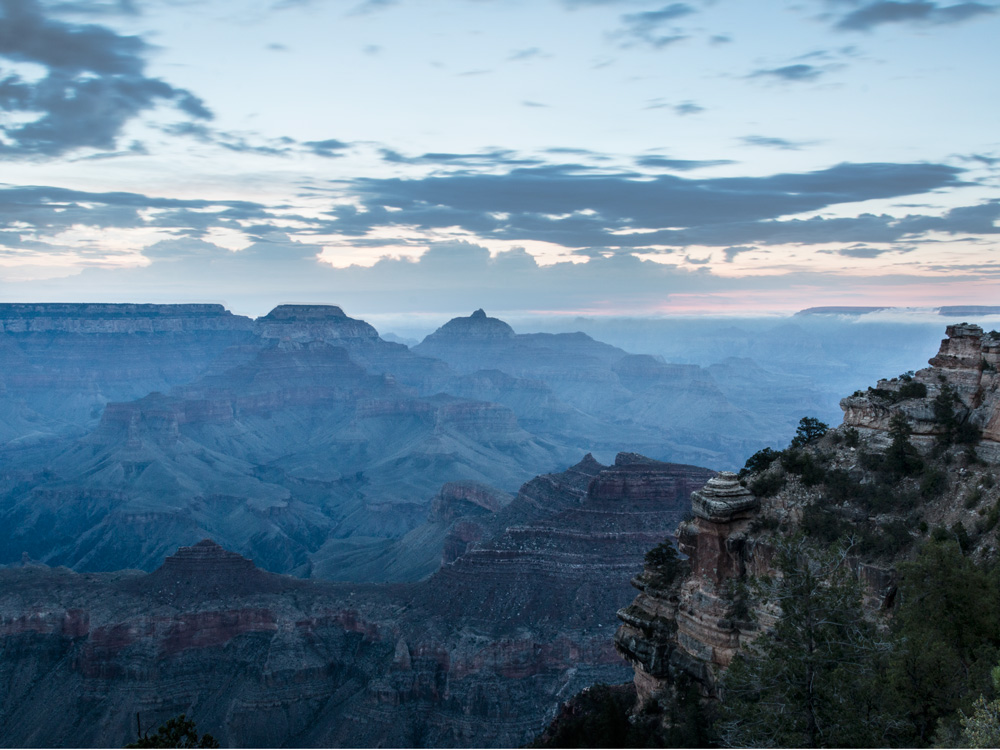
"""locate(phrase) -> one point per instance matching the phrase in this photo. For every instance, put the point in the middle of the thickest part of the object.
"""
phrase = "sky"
(552, 157)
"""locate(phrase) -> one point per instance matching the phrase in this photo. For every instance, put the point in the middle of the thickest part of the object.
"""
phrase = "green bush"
(664, 564)
(759, 461)
(767, 485)
(933, 484)
(912, 389)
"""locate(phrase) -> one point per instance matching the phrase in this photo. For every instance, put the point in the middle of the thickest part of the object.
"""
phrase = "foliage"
(177, 732)
(948, 635)
(982, 729)
(956, 429)
(933, 483)
(759, 461)
(912, 389)
(664, 564)
(599, 717)
(767, 485)
(901, 458)
(809, 430)
(814, 680)
(802, 463)
(852, 437)
(881, 540)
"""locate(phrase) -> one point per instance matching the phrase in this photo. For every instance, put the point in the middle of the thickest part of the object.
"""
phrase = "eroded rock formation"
(967, 364)
(689, 627)
(686, 629)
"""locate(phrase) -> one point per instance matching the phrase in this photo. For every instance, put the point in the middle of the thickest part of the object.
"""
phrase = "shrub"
(973, 498)
(852, 437)
(959, 533)
(759, 461)
(664, 564)
(767, 484)
(933, 484)
(822, 525)
(912, 389)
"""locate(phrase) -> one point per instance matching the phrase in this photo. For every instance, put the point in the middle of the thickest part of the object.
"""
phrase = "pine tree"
(813, 680)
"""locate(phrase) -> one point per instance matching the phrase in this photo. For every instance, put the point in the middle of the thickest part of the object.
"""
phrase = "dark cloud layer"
(565, 205)
(871, 15)
(584, 210)
(95, 83)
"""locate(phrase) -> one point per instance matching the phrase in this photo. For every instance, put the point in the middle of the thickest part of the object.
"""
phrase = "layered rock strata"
(967, 364)
(482, 654)
(688, 628)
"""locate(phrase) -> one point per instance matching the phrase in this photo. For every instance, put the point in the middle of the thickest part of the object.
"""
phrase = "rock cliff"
(686, 629)
(966, 366)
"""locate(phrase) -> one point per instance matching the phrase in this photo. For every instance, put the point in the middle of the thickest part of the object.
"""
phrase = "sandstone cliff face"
(688, 627)
(481, 654)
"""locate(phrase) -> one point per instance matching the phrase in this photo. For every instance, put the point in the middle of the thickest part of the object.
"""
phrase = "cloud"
(371, 6)
(732, 252)
(771, 142)
(95, 84)
(488, 158)
(529, 53)
(682, 165)
(792, 73)
(644, 27)
(688, 108)
(589, 212)
(871, 15)
(575, 206)
(866, 251)
(329, 148)
(237, 142)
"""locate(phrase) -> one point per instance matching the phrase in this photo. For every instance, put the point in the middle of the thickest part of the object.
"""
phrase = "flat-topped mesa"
(636, 478)
(204, 557)
(314, 322)
(967, 364)
(476, 327)
(208, 569)
(91, 318)
(723, 499)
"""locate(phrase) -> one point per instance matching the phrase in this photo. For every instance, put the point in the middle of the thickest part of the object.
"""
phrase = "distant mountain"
(302, 439)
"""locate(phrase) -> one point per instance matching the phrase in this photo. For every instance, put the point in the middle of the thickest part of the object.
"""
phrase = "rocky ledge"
(688, 622)
(964, 371)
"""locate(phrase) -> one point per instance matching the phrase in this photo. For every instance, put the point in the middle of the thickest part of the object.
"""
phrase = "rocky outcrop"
(478, 327)
(967, 365)
(690, 627)
(313, 323)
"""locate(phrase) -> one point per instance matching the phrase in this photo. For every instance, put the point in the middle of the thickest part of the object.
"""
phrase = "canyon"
(304, 440)
(518, 618)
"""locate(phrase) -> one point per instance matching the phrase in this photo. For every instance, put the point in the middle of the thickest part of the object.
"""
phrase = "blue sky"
(554, 156)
